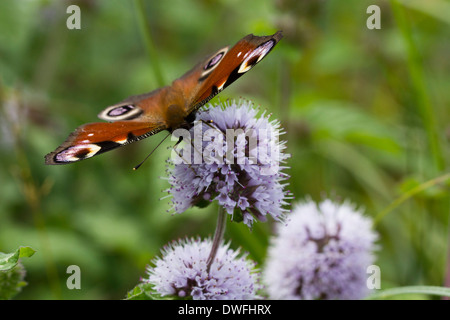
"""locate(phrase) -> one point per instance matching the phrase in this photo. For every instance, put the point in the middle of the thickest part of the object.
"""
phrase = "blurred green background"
(366, 114)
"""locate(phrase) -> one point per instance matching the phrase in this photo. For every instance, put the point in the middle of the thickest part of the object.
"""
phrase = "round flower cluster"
(322, 253)
(236, 159)
(182, 272)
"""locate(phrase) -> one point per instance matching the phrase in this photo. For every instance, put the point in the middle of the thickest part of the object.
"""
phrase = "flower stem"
(419, 87)
(218, 236)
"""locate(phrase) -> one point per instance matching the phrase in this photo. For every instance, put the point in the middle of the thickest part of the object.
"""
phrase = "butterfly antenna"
(140, 164)
(210, 123)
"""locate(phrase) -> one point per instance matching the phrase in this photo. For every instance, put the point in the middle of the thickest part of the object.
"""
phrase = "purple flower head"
(234, 156)
(322, 253)
(182, 272)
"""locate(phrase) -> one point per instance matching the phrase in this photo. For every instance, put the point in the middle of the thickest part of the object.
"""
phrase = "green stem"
(410, 194)
(218, 236)
(146, 35)
(423, 101)
(428, 290)
(33, 194)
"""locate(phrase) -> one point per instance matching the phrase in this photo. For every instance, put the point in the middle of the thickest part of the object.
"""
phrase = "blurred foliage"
(12, 272)
(366, 114)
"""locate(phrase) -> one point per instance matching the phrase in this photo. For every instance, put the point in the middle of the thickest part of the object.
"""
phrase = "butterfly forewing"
(234, 63)
(95, 138)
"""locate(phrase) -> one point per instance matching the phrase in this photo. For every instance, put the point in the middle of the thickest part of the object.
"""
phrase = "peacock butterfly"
(167, 108)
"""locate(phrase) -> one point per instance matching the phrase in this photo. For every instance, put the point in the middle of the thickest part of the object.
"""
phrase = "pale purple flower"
(181, 272)
(235, 157)
(322, 253)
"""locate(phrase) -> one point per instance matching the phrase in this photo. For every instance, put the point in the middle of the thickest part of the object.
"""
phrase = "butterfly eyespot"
(77, 153)
(214, 60)
(212, 63)
(256, 56)
(120, 112)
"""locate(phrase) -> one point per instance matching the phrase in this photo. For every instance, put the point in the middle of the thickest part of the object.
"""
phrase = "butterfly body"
(167, 108)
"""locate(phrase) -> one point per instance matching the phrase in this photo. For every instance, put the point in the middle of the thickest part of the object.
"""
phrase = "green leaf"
(140, 292)
(26, 252)
(144, 291)
(435, 8)
(428, 290)
(10, 260)
(137, 293)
